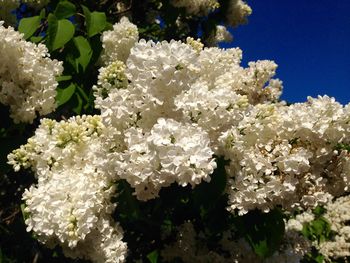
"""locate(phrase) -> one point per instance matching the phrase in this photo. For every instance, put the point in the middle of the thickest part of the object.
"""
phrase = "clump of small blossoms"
(27, 76)
(170, 152)
(159, 72)
(221, 34)
(197, 7)
(156, 73)
(118, 42)
(110, 77)
(338, 215)
(284, 155)
(237, 12)
(70, 204)
(180, 84)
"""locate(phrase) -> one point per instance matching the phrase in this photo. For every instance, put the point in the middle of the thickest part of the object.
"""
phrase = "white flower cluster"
(118, 42)
(221, 34)
(27, 76)
(170, 152)
(237, 12)
(190, 246)
(338, 215)
(284, 155)
(170, 102)
(197, 7)
(70, 205)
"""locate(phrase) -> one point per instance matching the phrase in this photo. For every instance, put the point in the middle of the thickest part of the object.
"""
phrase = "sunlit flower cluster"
(70, 205)
(237, 12)
(118, 42)
(221, 34)
(27, 76)
(285, 155)
(170, 152)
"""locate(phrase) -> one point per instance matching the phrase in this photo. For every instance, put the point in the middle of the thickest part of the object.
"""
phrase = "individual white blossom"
(118, 42)
(27, 76)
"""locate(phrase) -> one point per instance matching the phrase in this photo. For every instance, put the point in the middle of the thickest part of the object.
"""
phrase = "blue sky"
(308, 39)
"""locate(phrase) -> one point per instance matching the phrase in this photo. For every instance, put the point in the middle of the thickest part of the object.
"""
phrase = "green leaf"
(153, 256)
(64, 9)
(85, 52)
(35, 39)
(109, 26)
(95, 21)
(42, 13)
(342, 146)
(79, 107)
(59, 32)
(64, 95)
(63, 78)
(318, 229)
(83, 93)
(29, 25)
(319, 211)
(25, 215)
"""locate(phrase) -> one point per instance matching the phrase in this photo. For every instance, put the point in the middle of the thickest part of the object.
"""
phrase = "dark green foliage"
(263, 231)
(318, 230)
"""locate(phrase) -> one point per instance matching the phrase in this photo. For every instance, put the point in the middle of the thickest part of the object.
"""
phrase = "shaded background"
(308, 39)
